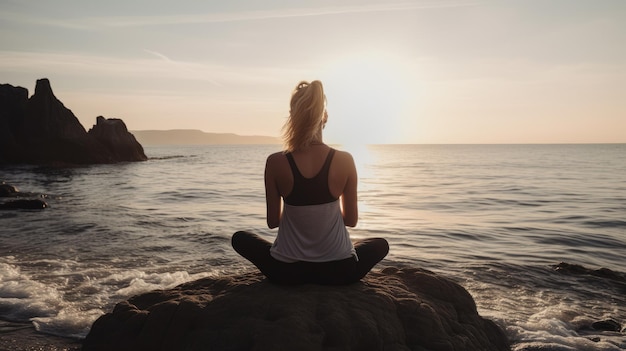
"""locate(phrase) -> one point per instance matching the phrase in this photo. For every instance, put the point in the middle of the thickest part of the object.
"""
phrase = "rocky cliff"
(394, 309)
(41, 130)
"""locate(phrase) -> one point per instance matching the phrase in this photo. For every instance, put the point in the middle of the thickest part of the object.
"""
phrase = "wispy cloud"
(217, 17)
(129, 21)
(34, 20)
(155, 66)
(274, 14)
(159, 55)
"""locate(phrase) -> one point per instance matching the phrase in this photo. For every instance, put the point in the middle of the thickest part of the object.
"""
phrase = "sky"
(438, 71)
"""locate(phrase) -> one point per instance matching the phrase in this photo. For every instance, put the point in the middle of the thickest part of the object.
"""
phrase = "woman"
(311, 196)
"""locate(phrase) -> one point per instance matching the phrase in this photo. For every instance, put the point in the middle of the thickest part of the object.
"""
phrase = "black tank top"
(310, 191)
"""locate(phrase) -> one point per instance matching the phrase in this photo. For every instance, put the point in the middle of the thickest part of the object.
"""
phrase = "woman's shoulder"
(343, 156)
(276, 155)
(344, 162)
(276, 159)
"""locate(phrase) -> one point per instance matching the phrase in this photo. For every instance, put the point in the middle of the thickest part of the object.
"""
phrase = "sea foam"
(57, 306)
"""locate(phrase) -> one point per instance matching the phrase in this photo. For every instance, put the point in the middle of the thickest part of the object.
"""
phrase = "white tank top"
(313, 233)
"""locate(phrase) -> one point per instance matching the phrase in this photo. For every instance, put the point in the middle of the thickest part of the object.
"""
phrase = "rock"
(575, 269)
(13, 101)
(607, 325)
(23, 204)
(48, 118)
(113, 134)
(41, 130)
(7, 190)
(394, 309)
(51, 134)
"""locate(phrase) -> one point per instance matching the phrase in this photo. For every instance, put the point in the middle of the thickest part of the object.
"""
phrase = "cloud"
(127, 21)
(156, 66)
(34, 20)
(76, 64)
(159, 55)
(93, 22)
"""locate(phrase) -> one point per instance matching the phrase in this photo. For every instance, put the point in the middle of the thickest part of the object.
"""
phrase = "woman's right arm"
(272, 194)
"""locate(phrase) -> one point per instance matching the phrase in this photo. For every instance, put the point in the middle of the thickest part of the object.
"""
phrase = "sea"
(535, 233)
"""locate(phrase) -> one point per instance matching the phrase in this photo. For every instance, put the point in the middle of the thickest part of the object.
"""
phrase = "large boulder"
(113, 134)
(41, 130)
(394, 309)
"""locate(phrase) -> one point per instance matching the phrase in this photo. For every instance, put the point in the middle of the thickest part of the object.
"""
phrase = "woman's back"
(342, 177)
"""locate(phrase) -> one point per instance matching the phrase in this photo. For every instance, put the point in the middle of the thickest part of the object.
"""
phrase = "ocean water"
(536, 233)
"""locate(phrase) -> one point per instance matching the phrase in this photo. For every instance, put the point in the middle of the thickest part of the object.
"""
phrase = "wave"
(564, 306)
(61, 305)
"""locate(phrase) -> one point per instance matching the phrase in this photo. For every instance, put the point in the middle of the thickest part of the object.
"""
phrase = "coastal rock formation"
(113, 134)
(394, 309)
(41, 130)
(13, 102)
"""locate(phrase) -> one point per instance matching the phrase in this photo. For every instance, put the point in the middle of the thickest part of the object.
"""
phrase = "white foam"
(555, 328)
(136, 282)
(67, 300)
(69, 322)
(21, 297)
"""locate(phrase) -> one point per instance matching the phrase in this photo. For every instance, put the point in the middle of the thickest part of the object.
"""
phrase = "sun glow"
(367, 99)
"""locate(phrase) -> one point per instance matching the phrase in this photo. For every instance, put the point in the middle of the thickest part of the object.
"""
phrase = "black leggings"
(257, 250)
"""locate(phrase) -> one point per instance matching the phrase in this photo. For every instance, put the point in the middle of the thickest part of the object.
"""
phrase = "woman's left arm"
(349, 195)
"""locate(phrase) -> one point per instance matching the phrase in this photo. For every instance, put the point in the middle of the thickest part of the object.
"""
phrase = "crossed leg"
(257, 250)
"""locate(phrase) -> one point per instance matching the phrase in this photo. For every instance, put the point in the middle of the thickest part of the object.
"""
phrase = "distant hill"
(197, 137)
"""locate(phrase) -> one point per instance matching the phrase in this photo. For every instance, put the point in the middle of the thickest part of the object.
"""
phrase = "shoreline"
(23, 336)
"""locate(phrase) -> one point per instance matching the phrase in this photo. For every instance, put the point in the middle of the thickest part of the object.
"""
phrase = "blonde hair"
(306, 115)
